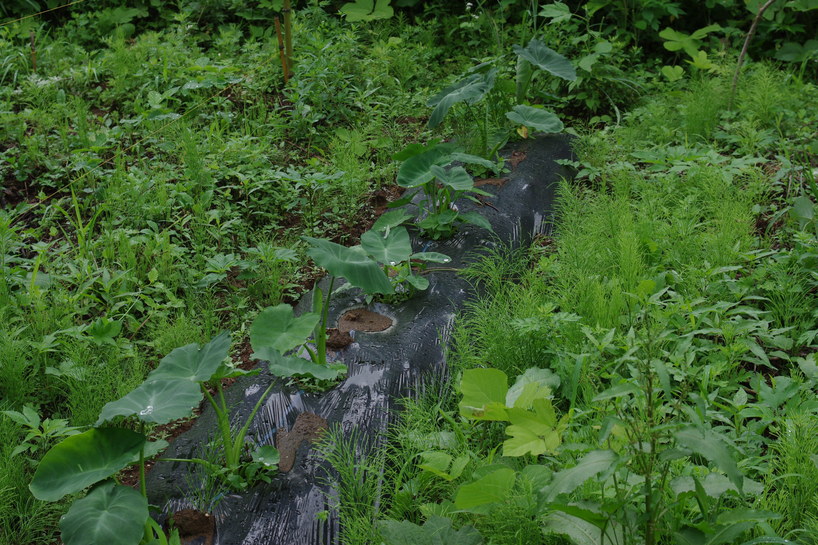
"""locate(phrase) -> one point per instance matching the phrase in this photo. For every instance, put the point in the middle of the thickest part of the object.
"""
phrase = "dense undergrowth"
(670, 322)
(157, 174)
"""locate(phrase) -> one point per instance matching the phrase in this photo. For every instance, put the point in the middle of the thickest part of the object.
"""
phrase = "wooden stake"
(281, 53)
(288, 32)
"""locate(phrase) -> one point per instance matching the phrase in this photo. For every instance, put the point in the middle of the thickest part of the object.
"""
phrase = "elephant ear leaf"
(277, 327)
(545, 58)
(109, 514)
(155, 402)
(192, 362)
(359, 269)
(535, 118)
(84, 459)
(470, 89)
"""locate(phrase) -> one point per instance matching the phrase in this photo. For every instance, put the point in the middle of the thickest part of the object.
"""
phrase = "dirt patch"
(195, 527)
(361, 319)
(497, 182)
(338, 339)
(307, 427)
(516, 158)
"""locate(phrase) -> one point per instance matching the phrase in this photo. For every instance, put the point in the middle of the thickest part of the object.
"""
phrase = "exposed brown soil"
(307, 427)
(516, 158)
(338, 339)
(361, 319)
(195, 527)
(497, 182)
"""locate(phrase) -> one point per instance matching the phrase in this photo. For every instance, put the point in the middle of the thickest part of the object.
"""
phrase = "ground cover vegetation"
(648, 376)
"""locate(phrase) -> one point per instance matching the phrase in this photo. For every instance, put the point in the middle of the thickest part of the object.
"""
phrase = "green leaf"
(416, 170)
(484, 394)
(110, 514)
(367, 10)
(536, 383)
(795, 52)
(103, 331)
(417, 282)
(288, 366)
(431, 257)
(82, 460)
(435, 531)
(711, 446)
(456, 177)
(193, 363)
(470, 89)
(580, 531)
(532, 432)
(390, 248)
(476, 218)
(492, 488)
(278, 328)
(546, 59)
(673, 73)
(568, 480)
(390, 220)
(353, 264)
(803, 210)
(267, 455)
(557, 12)
(155, 402)
(535, 118)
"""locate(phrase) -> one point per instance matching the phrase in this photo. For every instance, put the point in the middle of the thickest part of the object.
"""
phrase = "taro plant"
(277, 330)
(389, 244)
(483, 81)
(115, 514)
(378, 266)
(423, 169)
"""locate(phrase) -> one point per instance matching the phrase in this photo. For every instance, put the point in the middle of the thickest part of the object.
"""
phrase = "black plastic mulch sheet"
(383, 367)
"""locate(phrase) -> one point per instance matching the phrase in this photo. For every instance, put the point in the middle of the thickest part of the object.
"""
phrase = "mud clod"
(307, 427)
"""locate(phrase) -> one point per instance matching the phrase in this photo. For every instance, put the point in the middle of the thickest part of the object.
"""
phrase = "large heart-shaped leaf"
(390, 220)
(82, 460)
(155, 402)
(470, 89)
(390, 248)
(535, 118)
(109, 515)
(277, 327)
(456, 177)
(287, 366)
(546, 59)
(367, 10)
(416, 170)
(359, 269)
(193, 363)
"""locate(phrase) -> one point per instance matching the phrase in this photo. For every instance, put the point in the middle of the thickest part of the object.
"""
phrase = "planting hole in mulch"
(195, 527)
(361, 319)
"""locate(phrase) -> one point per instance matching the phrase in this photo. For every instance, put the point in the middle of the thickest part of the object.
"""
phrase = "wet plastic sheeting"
(382, 368)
